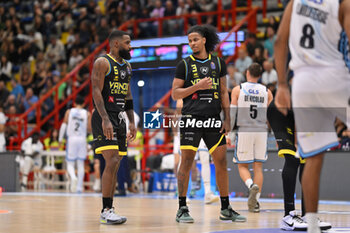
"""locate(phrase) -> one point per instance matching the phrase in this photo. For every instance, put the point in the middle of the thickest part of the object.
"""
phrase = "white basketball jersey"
(252, 105)
(77, 123)
(316, 37)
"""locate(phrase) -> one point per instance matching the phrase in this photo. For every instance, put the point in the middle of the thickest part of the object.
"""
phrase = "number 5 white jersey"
(252, 105)
(77, 123)
(316, 37)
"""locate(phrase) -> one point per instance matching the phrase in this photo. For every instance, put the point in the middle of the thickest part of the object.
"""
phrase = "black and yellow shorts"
(195, 128)
(119, 133)
(284, 130)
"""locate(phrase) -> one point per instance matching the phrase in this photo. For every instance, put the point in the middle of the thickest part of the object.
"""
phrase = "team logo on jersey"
(110, 99)
(216, 95)
(252, 91)
(195, 96)
(122, 74)
(212, 65)
(204, 70)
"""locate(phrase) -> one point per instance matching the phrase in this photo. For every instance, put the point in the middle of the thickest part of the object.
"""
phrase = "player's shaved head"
(117, 34)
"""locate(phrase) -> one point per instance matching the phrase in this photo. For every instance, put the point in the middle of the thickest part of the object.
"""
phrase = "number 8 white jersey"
(252, 105)
(316, 37)
(77, 123)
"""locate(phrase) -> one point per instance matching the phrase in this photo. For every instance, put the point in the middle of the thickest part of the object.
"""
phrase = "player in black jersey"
(111, 94)
(200, 81)
(284, 131)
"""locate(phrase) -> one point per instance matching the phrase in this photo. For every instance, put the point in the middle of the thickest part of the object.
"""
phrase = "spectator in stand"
(270, 75)
(193, 8)
(28, 101)
(146, 28)
(270, 36)
(75, 58)
(17, 90)
(233, 78)
(103, 29)
(253, 44)
(258, 56)
(39, 26)
(170, 26)
(71, 38)
(273, 23)
(111, 9)
(2, 15)
(5, 68)
(13, 55)
(39, 78)
(49, 27)
(205, 6)
(55, 50)
(243, 61)
(62, 68)
(48, 104)
(121, 16)
(2, 130)
(12, 128)
(84, 32)
(157, 12)
(4, 93)
(11, 101)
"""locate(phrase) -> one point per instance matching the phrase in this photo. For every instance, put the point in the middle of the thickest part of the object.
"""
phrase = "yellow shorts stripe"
(282, 152)
(123, 153)
(188, 148)
(99, 150)
(216, 145)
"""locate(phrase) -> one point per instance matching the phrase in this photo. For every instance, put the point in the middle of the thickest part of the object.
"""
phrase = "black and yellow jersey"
(192, 70)
(116, 84)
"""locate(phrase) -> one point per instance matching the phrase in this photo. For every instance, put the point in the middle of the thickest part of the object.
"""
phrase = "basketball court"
(79, 213)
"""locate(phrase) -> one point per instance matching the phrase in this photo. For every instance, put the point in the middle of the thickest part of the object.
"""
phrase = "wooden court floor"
(35, 212)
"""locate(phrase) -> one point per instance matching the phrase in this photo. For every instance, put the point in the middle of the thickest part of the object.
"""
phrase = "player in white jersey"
(77, 122)
(318, 32)
(250, 101)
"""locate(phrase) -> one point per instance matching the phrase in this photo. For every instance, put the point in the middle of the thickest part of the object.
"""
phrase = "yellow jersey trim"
(216, 145)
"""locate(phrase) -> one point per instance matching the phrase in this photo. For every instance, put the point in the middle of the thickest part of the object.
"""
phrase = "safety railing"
(250, 18)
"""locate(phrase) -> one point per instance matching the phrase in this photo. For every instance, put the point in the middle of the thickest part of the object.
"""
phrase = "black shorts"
(284, 129)
(207, 128)
(119, 133)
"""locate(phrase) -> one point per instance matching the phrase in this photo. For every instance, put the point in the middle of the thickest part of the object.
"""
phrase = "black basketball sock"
(182, 201)
(224, 202)
(301, 169)
(107, 202)
(289, 177)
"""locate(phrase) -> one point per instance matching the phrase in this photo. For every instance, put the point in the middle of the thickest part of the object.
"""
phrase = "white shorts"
(201, 147)
(76, 148)
(319, 95)
(2, 143)
(250, 147)
(176, 144)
